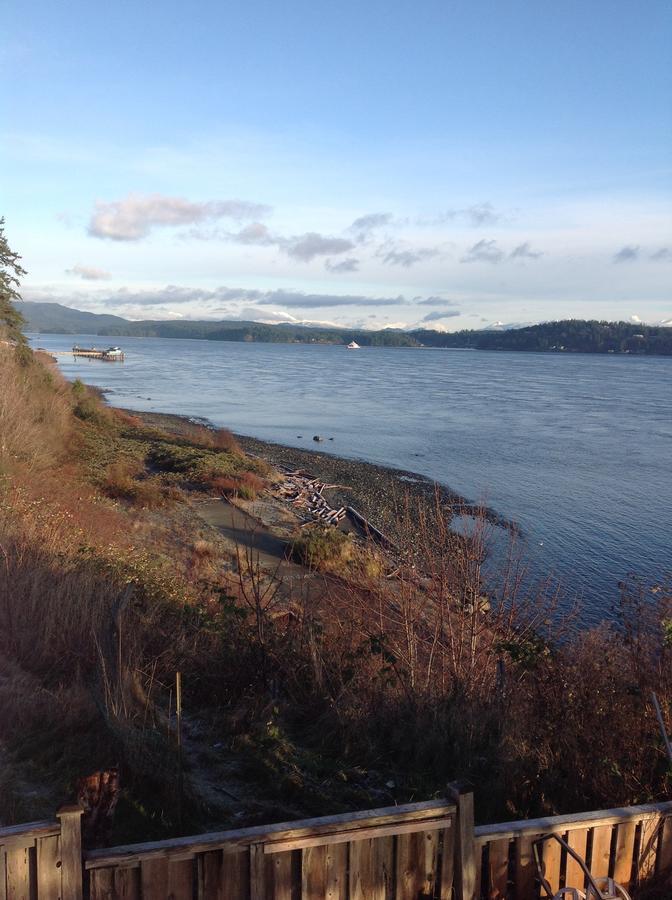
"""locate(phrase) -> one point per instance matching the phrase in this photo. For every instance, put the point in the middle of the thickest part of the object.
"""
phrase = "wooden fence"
(421, 851)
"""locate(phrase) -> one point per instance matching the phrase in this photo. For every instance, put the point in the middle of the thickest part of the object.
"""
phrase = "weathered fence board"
(372, 869)
(665, 861)
(181, 879)
(624, 852)
(524, 871)
(18, 871)
(282, 874)
(578, 841)
(3, 875)
(498, 869)
(552, 859)
(324, 872)
(447, 863)
(601, 852)
(48, 864)
(417, 857)
(127, 884)
(648, 848)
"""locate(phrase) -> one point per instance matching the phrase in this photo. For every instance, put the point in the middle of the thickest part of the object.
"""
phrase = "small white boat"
(353, 345)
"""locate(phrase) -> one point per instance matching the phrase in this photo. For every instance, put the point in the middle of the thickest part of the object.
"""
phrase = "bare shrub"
(127, 419)
(203, 549)
(250, 484)
(125, 480)
(226, 486)
(245, 485)
(224, 440)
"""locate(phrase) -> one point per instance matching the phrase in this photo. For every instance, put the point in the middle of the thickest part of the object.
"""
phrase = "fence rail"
(421, 850)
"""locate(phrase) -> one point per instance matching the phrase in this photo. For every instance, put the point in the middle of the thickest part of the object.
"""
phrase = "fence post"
(465, 874)
(71, 851)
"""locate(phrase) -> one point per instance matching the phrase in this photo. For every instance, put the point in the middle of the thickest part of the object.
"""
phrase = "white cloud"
(255, 233)
(136, 215)
(524, 251)
(629, 253)
(476, 215)
(435, 300)
(398, 256)
(206, 301)
(307, 246)
(313, 301)
(347, 265)
(89, 273)
(439, 314)
(364, 226)
(483, 251)
(302, 247)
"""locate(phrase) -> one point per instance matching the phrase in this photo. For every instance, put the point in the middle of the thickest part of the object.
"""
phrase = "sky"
(409, 164)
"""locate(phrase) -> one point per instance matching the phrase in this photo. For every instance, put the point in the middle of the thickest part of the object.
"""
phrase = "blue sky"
(451, 164)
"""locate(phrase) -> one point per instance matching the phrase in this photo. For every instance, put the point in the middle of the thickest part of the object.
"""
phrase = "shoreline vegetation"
(568, 336)
(321, 673)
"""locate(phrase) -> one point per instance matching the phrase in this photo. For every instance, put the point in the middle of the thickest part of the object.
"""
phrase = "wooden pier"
(113, 354)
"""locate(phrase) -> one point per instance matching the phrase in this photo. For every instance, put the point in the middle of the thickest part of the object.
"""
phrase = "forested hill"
(53, 318)
(571, 335)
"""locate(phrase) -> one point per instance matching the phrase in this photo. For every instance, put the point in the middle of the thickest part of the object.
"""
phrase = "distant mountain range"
(52, 318)
(571, 335)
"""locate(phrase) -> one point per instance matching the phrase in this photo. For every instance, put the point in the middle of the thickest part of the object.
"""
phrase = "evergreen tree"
(11, 319)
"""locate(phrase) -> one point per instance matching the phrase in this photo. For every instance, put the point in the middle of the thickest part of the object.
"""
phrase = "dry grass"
(126, 481)
(211, 438)
(79, 628)
(35, 414)
(203, 549)
(246, 485)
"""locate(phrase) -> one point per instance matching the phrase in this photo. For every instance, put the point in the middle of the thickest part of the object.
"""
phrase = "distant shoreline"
(564, 336)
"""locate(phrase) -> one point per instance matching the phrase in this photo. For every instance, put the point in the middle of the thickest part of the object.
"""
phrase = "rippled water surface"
(575, 448)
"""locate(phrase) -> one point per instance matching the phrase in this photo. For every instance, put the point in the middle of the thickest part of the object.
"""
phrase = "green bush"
(326, 549)
(87, 407)
(173, 458)
(223, 470)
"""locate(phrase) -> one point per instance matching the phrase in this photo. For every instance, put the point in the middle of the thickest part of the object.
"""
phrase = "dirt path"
(257, 542)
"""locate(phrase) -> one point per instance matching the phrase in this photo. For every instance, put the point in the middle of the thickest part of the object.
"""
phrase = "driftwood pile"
(304, 492)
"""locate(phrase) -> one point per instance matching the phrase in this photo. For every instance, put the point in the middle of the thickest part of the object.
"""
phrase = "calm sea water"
(576, 449)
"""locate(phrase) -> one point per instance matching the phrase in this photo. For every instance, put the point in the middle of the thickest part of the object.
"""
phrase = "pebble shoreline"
(378, 492)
